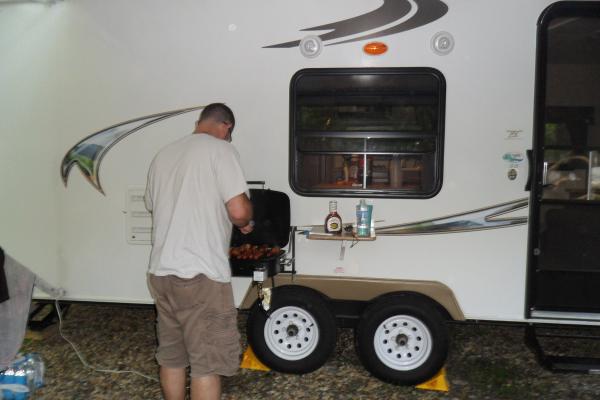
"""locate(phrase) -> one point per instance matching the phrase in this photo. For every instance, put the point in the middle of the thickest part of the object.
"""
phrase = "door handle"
(529, 154)
(592, 160)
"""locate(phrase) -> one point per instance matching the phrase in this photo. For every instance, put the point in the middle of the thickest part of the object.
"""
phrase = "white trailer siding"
(75, 67)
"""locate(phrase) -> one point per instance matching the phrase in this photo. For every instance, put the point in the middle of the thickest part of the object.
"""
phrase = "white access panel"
(139, 219)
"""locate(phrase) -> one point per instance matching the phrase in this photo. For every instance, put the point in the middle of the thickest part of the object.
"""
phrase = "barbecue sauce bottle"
(333, 221)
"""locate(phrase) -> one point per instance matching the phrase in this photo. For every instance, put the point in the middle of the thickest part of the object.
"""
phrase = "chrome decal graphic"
(88, 153)
(408, 14)
(484, 218)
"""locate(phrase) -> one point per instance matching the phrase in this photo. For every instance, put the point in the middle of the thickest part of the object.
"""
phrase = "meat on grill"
(253, 252)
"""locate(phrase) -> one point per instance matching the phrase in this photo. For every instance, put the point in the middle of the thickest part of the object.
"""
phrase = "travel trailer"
(468, 126)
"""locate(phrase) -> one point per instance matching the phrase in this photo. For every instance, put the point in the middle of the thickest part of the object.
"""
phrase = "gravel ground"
(485, 362)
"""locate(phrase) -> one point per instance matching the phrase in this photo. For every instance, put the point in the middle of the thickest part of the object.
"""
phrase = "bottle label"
(334, 224)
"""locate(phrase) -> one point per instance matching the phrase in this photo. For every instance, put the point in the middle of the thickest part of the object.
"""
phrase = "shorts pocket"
(217, 324)
(187, 293)
(224, 347)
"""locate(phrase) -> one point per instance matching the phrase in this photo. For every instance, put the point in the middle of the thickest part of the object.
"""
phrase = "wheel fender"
(283, 288)
(408, 295)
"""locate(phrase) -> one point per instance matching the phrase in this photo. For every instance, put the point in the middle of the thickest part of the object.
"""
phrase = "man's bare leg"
(172, 382)
(206, 388)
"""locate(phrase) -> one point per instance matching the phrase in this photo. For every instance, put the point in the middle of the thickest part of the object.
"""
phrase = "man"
(196, 190)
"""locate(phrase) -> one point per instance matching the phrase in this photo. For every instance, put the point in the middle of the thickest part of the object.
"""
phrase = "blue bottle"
(363, 219)
(22, 377)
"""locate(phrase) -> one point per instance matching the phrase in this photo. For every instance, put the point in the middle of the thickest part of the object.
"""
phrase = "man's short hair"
(218, 112)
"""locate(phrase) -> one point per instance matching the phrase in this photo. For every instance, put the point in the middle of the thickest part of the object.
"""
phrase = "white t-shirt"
(189, 182)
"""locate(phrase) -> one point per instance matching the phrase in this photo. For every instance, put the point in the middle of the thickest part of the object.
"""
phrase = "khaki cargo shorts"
(196, 325)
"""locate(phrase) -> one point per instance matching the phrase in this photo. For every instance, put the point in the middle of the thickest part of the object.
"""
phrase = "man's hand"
(248, 228)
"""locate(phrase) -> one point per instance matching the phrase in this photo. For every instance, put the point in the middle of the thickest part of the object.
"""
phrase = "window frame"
(438, 153)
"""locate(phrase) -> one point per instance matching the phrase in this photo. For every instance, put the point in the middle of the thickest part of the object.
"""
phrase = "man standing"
(196, 190)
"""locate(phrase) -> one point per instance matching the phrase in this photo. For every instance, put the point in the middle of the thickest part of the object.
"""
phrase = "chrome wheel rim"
(402, 342)
(291, 333)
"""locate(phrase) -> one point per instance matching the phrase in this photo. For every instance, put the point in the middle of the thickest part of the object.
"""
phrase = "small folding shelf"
(318, 233)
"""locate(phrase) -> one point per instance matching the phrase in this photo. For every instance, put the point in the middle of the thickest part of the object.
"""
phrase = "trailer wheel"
(402, 339)
(299, 333)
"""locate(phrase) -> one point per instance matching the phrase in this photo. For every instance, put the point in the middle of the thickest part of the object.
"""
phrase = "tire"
(402, 339)
(308, 336)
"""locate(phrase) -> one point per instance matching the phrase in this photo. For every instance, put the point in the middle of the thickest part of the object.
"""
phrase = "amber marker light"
(375, 48)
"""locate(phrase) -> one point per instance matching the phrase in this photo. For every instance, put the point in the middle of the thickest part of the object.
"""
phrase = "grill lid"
(271, 219)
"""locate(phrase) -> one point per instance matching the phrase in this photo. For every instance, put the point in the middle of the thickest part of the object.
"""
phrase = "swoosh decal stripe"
(87, 154)
(386, 14)
(428, 11)
(485, 218)
(390, 11)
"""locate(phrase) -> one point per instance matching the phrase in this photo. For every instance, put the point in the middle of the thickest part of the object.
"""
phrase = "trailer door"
(564, 240)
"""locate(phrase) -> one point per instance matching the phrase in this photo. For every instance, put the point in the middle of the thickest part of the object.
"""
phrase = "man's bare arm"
(239, 209)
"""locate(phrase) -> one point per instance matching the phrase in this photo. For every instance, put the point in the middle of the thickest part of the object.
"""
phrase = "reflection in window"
(410, 173)
(572, 175)
(353, 117)
(571, 139)
(374, 132)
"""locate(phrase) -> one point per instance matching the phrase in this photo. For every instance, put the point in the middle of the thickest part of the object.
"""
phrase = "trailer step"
(561, 363)
(43, 315)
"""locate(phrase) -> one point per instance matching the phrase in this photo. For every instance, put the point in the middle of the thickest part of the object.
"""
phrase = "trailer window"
(367, 132)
